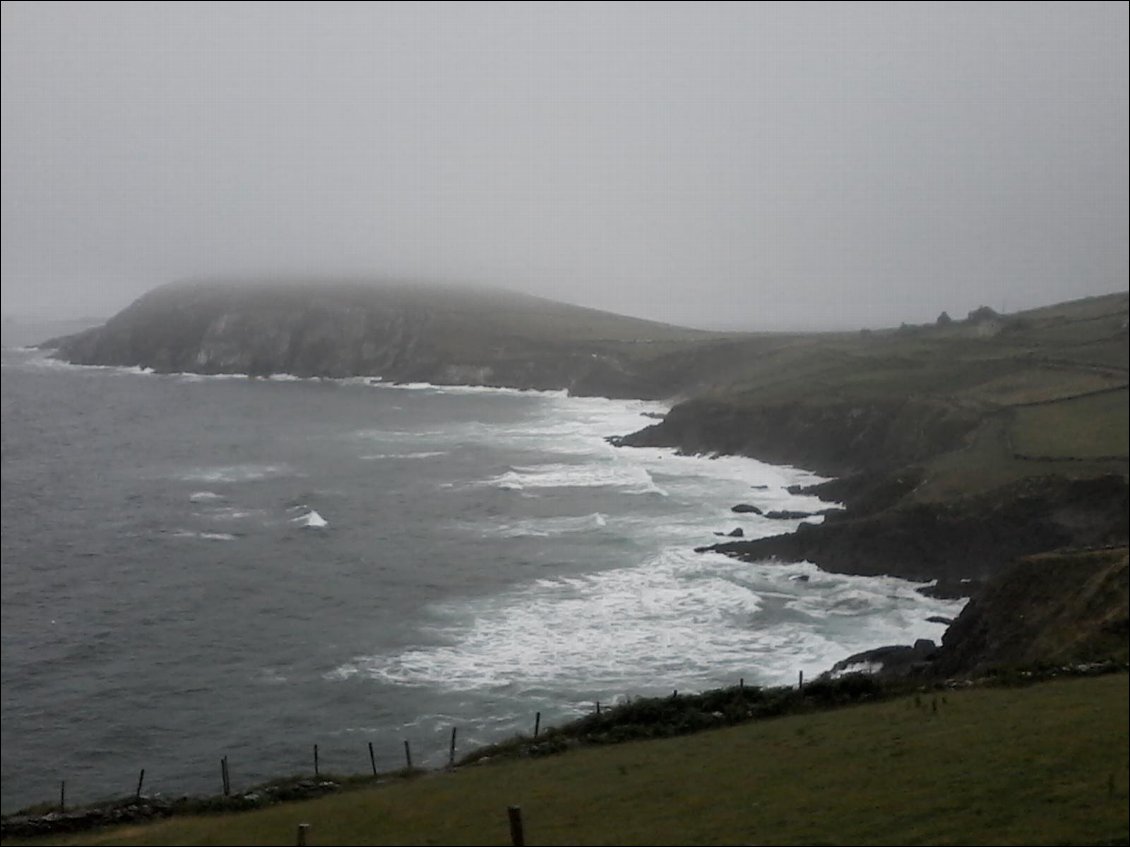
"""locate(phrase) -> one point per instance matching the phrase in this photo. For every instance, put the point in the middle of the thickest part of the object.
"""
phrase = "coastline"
(916, 426)
(726, 611)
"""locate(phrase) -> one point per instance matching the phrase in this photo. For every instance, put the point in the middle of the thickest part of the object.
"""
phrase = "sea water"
(197, 567)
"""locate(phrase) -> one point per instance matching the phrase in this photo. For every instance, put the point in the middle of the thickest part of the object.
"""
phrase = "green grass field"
(1044, 387)
(1045, 764)
(1086, 427)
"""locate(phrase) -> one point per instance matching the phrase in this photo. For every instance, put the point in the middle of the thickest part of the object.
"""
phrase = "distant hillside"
(959, 448)
(976, 403)
(399, 332)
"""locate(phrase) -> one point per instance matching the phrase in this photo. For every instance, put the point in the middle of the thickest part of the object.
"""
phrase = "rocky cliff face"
(306, 339)
(829, 437)
(1054, 608)
(963, 543)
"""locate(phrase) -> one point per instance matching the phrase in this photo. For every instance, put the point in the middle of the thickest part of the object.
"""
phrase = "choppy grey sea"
(197, 566)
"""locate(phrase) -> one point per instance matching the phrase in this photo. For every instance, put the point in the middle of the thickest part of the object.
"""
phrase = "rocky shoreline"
(961, 544)
(878, 411)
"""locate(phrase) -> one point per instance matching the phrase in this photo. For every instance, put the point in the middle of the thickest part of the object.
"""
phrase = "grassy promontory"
(1041, 764)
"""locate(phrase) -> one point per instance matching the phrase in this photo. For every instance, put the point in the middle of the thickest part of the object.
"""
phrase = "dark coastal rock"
(833, 437)
(737, 532)
(894, 660)
(951, 589)
(746, 508)
(970, 539)
(786, 515)
(867, 492)
(1051, 608)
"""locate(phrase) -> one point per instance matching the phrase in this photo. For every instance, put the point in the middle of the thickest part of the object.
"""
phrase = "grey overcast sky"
(720, 165)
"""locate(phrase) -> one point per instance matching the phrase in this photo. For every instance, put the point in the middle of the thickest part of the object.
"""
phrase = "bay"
(195, 567)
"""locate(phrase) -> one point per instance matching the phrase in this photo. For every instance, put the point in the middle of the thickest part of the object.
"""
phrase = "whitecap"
(548, 527)
(235, 473)
(465, 389)
(269, 676)
(625, 475)
(206, 536)
(311, 520)
(422, 454)
(231, 514)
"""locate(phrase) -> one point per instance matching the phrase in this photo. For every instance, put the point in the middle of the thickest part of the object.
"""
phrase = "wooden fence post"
(372, 759)
(303, 828)
(517, 836)
(537, 724)
(140, 779)
(316, 773)
(408, 754)
(62, 795)
(451, 756)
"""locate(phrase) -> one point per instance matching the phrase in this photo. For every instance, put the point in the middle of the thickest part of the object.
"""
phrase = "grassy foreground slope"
(1046, 764)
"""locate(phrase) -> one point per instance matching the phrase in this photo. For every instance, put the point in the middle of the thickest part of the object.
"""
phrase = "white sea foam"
(857, 667)
(204, 496)
(548, 527)
(679, 619)
(311, 520)
(464, 389)
(235, 473)
(195, 377)
(628, 476)
(421, 454)
(46, 361)
(230, 513)
(206, 536)
(268, 676)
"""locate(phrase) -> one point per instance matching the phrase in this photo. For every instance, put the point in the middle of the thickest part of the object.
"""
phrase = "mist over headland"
(752, 166)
